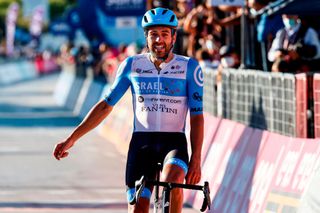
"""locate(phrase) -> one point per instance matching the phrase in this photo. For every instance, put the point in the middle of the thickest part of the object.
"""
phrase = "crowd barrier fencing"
(210, 89)
(283, 103)
(316, 95)
(302, 105)
(16, 71)
(259, 99)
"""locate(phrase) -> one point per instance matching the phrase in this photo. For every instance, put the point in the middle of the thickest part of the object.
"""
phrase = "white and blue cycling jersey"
(161, 99)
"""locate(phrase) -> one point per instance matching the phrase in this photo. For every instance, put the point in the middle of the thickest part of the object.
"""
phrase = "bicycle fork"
(157, 202)
(166, 199)
(163, 202)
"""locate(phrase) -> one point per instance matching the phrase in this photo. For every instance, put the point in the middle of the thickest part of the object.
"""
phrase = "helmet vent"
(145, 19)
(172, 18)
(153, 12)
(164, 12)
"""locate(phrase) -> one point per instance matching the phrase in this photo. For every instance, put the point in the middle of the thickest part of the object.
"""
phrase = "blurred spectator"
(183, 7)
(83, 59)
(45, 62)
(2, 48)
(132, 49)
(267, 27)
(98, 70)
(294, 46)
(228, 19)
(205, 61)
(108, 61)
(159, 3)
(122, 49)
(65, 55)
(229, 58)
(200, 28)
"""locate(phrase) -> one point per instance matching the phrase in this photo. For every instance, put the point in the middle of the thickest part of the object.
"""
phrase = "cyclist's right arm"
(99, 112)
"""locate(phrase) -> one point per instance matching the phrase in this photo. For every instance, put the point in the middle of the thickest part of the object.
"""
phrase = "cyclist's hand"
(194, 172)
(60, 150)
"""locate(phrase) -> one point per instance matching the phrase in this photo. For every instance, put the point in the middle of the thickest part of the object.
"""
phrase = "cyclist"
(164, 86)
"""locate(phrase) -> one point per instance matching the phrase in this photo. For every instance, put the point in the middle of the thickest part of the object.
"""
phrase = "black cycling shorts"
(147, 149)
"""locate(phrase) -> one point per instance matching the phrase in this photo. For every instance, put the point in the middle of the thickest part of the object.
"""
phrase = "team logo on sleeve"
(198, 76)
(196, 96)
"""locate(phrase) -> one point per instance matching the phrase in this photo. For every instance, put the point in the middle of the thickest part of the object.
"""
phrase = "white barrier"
(76, 93)
(82, 96)
(93, 96)
(17, 71)
(63, 87)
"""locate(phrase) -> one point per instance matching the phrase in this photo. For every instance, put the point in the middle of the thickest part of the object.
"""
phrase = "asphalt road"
(91, 179)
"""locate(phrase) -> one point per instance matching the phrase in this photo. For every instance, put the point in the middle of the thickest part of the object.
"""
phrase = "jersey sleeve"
(121, 83)
(195, 87)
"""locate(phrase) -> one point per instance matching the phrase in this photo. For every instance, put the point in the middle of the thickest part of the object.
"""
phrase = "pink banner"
(11, 20)
(316, 99)
(210, 130)
(37, 20)
(251, 170)
(225, 183)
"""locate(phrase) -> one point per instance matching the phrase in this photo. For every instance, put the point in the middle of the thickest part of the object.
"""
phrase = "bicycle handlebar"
(140, 184)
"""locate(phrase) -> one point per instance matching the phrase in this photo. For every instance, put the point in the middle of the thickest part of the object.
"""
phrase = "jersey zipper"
(158, 103)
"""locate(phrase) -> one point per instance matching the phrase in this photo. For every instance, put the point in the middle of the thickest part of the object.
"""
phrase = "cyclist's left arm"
(195, 102)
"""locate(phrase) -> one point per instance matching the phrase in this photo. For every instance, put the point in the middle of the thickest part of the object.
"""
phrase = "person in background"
(182, 9)
(294, 46)
(83, 59)
(205, 59)
(229, 57)
(199, 28)
(99, 73)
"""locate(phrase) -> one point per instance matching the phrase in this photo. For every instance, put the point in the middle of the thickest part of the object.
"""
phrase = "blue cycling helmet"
(159, 16)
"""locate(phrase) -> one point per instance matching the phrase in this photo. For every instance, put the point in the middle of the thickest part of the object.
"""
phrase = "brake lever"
(206, 200)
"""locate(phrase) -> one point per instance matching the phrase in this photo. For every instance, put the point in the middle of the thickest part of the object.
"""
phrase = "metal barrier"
(17, 70)
(255, 98)
(302, 104)
(210, 92)
(284, 103)
(316, 95)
